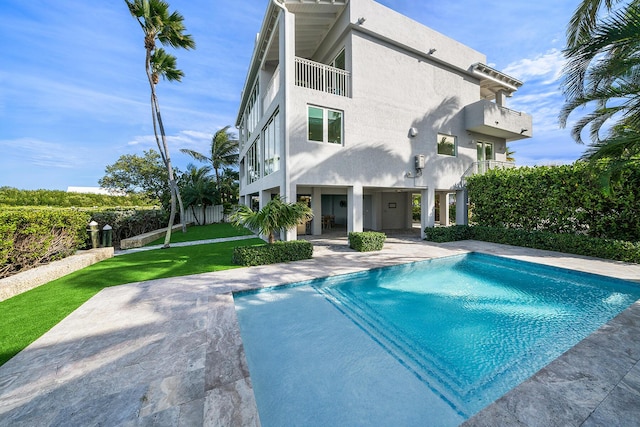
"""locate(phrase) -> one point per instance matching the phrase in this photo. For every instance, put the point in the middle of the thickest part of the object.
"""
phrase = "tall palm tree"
(167, 28)
(224, 152)
(603, 71)
(274, 216)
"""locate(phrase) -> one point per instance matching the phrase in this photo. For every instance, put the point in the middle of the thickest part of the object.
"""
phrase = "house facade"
(356, 109)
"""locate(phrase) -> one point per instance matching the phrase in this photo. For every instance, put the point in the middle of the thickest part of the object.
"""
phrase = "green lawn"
(204, 232)
(27, 316)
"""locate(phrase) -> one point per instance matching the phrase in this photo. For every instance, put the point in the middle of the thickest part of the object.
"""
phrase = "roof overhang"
(492, 81)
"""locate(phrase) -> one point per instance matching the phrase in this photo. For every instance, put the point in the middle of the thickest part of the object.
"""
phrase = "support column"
(355, 208)
(427, 209)
(444, 209)
(462, 212)
(316, 207)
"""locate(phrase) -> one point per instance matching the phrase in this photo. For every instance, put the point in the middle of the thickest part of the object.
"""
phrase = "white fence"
(213, 214)
(322, 77)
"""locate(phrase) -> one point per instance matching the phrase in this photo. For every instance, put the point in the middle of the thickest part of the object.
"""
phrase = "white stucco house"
(354, 108)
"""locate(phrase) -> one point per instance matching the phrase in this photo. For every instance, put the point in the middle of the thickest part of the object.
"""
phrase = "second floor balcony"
(322, 77)
(488, 118)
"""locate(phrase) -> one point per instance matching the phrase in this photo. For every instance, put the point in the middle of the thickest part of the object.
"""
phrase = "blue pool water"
(430, 342)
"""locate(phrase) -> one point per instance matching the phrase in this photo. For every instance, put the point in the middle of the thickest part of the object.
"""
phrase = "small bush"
(577, 244)
(366, 241)
(274, 253)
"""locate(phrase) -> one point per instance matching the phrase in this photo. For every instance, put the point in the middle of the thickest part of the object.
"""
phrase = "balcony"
(488, 118)
(322, 77)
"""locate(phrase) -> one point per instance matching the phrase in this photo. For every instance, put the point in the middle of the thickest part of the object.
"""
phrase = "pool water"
(430, 342)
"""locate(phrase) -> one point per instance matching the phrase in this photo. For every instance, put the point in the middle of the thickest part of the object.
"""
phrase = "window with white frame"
(324, 125)
(339, 61)
(252, 110)
(447, 145)
(253, 162)
(271, 138)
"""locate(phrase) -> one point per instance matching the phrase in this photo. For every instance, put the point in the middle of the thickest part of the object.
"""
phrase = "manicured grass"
(27, 316)
(204, 232)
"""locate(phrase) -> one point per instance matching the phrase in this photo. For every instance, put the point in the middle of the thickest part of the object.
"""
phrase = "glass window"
(271, 136)
(334, 127)
(446, 145)
(325, 125)
(316, 124)
(339, 61)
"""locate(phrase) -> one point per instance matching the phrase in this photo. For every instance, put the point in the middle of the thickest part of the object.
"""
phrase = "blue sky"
(74, 95)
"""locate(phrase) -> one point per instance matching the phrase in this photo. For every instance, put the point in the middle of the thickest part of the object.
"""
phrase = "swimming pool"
(435, 340)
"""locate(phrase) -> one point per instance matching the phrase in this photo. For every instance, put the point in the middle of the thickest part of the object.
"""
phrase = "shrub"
(366, 241)
(30, 237)
(446, 234)
(273, 253)
(558, 199)
(578, 244)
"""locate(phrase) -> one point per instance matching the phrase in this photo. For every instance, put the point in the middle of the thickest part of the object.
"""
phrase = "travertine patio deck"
(169, 352)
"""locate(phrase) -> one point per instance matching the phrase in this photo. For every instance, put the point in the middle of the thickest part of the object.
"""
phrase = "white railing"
(322, 77)
(483, 166)
(272, 89)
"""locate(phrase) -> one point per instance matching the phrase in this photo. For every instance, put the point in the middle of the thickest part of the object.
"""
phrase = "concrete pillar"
(316, 206)
(355, 208)
(444, 209)
(462, 214)
(427, 209)
(501, 98)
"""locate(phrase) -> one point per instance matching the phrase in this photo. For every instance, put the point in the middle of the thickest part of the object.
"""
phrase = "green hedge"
(10, 196)
(366, 241)
(128, 222)
(274, 253)
(30, 237)
(578, 244)
(558, 199)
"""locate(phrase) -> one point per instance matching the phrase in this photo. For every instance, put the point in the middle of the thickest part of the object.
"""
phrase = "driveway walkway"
(168, 352)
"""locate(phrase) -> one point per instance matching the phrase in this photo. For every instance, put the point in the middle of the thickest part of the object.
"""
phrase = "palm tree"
(603, 70)
(510, 152)
(167, 28)
(274, 216)
(224, 152)
(199, 189)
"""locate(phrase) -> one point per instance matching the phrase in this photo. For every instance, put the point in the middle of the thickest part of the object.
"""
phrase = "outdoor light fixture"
(361, 20)
(413, 132)
(432, 51)
(523, 130)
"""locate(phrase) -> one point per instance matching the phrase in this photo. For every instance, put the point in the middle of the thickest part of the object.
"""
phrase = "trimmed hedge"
(129, 222)
(295, 250)
(578, 244)
(30, 237)
(366, 241)
(558, 199)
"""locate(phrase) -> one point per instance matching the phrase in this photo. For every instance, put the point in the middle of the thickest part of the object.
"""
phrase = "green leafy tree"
(224, 151)
(274, 216)
(199, 189)
(603, 72)
(138, 174)
(168, 28)
(229, 186)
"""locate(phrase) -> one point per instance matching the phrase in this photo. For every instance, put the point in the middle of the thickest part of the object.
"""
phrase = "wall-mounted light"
(413, 132)
(432, 51)
(523, 130)
(361, 20)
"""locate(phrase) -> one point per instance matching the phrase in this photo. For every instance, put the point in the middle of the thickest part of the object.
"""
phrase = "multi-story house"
(355, 108)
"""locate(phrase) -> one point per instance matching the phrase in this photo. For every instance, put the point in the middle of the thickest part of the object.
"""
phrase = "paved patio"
(169, 352)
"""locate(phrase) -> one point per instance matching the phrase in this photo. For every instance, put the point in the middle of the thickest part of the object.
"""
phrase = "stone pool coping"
(169, 352)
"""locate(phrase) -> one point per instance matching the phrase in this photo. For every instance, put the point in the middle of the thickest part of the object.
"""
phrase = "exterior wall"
(403, 76)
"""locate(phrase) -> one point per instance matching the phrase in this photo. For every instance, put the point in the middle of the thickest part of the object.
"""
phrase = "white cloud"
(36, 152)
(547, 65)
